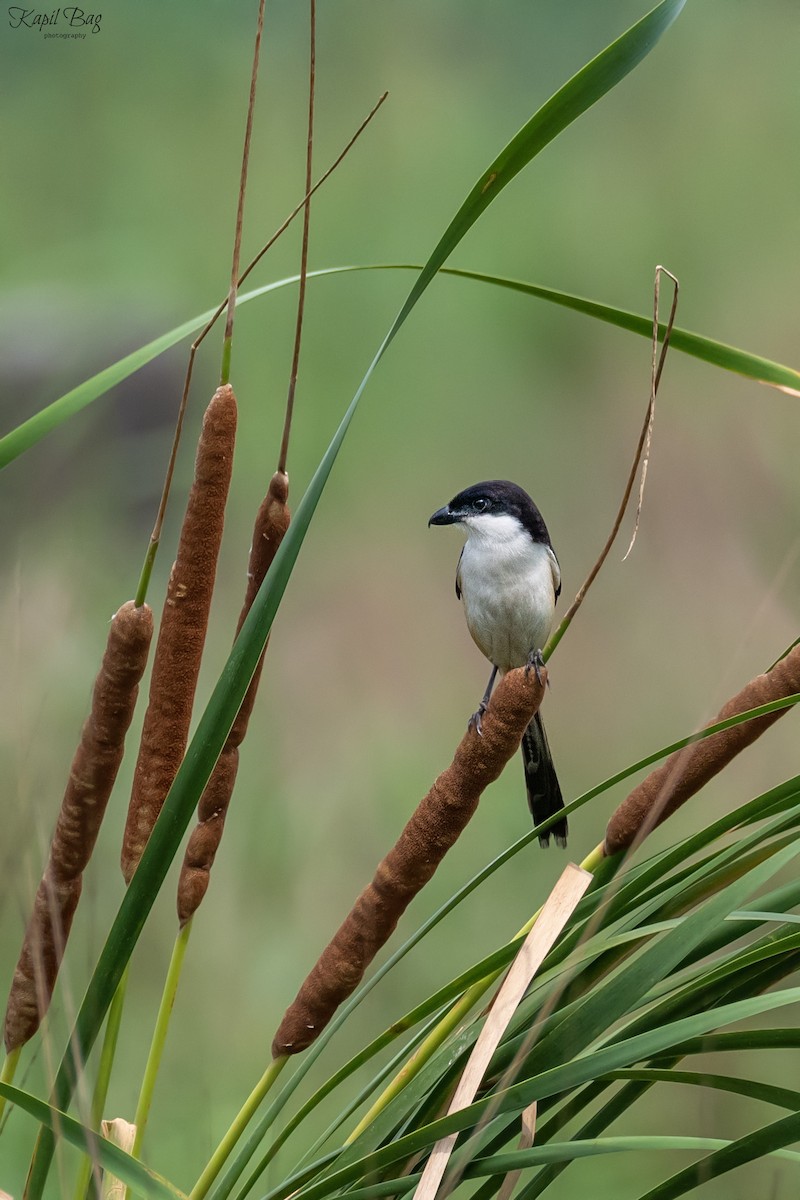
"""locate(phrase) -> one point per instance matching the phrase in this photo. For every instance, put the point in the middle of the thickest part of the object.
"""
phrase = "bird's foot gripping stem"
(475, 720)
(535, 663)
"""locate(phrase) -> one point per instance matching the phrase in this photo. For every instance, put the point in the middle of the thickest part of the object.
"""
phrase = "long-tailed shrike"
(509, 580)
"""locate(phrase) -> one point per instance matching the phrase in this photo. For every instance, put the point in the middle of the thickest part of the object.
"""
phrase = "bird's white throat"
(508, 584)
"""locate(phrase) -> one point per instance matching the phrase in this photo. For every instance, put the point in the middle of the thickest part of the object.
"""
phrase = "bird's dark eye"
(482, 504)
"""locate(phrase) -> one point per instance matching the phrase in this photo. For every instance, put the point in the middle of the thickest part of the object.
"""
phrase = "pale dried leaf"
(558, 908)
(122, 1133)
(525, 1143)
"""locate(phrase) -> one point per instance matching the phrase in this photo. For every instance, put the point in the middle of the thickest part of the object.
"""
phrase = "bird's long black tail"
(544, 793)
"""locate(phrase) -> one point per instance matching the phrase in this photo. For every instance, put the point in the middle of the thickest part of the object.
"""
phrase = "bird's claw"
(475, 720)
(535, 663)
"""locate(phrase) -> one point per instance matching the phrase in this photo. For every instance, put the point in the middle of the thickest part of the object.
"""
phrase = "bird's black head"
(493, 498)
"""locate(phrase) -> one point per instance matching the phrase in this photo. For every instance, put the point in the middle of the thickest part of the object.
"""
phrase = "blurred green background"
(121, 161)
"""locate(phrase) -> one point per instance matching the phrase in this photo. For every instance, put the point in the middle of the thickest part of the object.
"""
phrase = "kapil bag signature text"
(72, 17)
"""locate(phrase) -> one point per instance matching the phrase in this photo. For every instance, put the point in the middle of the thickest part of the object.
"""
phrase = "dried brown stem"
(271, 525)
(637, 458)
(183, 628)
(657, 366)
(237, 239)
(91, 779)
(435, 826)
(687, 771)
(301, 297)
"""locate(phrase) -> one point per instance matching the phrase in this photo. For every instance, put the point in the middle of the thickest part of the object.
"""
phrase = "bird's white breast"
(508, 585)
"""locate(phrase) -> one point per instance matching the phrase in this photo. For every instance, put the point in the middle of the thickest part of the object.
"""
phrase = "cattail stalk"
(154, 1056)
(270, 527)
(688, 770)
(438, 821)
(91, 779)
(183, 628)
(88, 1175)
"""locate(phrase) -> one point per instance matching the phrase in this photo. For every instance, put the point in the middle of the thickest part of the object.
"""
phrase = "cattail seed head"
(688, 770)
(271, 524)
(184, 622)
(438, 821)
(91, 779)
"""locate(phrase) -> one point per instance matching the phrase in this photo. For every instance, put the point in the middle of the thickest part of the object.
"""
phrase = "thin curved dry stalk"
(301, 296)
(644, 440)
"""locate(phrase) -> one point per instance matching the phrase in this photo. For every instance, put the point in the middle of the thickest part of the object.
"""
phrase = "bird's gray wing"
(556, 570)
(458, 574)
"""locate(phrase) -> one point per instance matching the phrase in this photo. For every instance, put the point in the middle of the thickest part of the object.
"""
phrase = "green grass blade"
(560, 1152)
(26, 435)
(111, 1158)
(641, 1079)
(715, 353)
(583, 90)
(685, 341)
(754, 1089)
(718, 354)
(774, 800)
(18, 440)
(743, 987)
(786, 1037)
(746, 1149)
(706, 988)
(565, 1152)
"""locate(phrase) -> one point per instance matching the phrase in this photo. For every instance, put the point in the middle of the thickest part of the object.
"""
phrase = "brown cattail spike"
(91, 778)
(271, 525)
(432, 830)
(181, 637)
(685, 772)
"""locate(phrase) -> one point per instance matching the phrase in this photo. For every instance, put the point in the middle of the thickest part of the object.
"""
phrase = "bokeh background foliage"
(118, 200)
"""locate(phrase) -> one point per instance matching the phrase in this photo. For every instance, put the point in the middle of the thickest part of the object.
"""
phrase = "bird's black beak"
(443, 516)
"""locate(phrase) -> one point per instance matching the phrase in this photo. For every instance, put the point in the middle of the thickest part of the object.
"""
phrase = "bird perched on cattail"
(509, 579)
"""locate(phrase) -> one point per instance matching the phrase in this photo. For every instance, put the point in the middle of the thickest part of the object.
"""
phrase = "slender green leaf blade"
(685, 341)
(18, 440)
(746, 1149)
(514, 1160)
(718, 354)
(112, 1159)
(562, 1152)
(754, 1089)
(577, 95)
